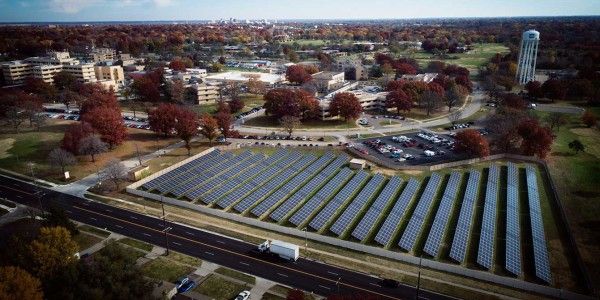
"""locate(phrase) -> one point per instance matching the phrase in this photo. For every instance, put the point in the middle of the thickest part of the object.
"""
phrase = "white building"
(327, 81)
(425, 77)
(370, 98)
(207, 93)
(528, 56)
(243, 77)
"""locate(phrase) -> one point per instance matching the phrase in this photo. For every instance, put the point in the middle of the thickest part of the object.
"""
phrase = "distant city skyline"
(165, 10)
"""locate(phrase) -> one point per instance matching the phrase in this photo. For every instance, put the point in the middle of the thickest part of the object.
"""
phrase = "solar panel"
(440, 222)
(321, 196)
(465, 218)
(256, 182)
(376, 209)
(357, 205)
(206, 167)
(415, 224)
(160, 180)
(294, 183)
(308, 189)
(513, 228)
(485, 253)
(345, 194)
(273, 183)
(244, 176)
(392, 221)
(540, 251)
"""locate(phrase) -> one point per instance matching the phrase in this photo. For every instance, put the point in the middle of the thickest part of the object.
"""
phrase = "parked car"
(389, 283)
(190, 284)
(180, 282)
(245, 295)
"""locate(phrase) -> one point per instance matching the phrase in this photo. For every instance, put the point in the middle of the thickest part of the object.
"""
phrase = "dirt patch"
(5, 145)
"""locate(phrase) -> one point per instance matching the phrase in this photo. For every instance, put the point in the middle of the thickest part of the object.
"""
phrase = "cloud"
(70, 6)
(163, 2)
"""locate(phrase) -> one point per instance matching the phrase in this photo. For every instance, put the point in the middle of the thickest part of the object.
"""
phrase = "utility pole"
(419, 279)
(305, 240)
(166, 231)
(337, 283)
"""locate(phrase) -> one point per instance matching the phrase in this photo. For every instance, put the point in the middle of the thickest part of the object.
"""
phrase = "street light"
(305, 239)
(337, 283)
(419, 278)
(166, 231)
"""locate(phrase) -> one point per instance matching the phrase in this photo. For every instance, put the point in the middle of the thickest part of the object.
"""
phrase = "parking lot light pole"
(337, 283)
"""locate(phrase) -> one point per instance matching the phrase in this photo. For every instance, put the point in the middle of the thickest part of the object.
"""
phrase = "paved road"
(304, 274)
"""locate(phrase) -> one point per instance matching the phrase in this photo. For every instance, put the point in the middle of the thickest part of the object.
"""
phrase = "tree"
(297, 74)
(209, 127)
(186, 127)
(74, 134)
(92, 145)
(345, 105)
(40, 87)
(534, 89)
(108, 123)
(147, 89)
(554, 89)
(163, 118)
(61, 158)
(289, 123)
(176, 91)
(115, 171)
(295, 294)
(38, 121)
(556, 119)
(15, 117)
(68, 97)
(399, 100)
(51, 251)
(224, 121)
(471, 142)
(294, 102)
(256, 86)
(177, 65)
(431, 101)
(589, 118)
(576, 146)
(235, 105)
(98, 97)
(64, 80)
(536, 140)
(513, 101)
(16, 283)
(453, 96)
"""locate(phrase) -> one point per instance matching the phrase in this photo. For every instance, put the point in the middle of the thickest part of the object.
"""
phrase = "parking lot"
(414, 148)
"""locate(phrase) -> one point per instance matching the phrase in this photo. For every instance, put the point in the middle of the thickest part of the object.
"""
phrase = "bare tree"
(431, 101)
(115, 171)
(15, 117)
(453, 96)
(92, 145)
(455, 116)
(289, 123)
(39, 120)
(61, 158)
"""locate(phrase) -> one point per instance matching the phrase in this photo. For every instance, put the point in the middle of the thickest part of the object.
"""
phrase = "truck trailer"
(282, 249)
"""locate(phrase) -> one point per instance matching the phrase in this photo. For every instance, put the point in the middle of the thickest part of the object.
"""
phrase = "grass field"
(237, 275)
(136, 244)
(218, 288)
(164, 269)
(17, 150)
(271, 122)
(94, 230)
(250, 101)
(85, 240)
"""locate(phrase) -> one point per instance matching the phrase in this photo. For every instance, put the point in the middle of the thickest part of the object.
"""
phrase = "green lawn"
(7, 203)
(271, 122)
(164, 269)
(136, 244)
(94, 230)
(85, 240)
(219, 288)
(184, 259)
(237, 275)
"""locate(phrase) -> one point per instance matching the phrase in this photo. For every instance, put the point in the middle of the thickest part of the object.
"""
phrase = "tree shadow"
(565, 154)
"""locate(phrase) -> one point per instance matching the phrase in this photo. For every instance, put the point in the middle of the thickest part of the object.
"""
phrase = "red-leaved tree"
(471, 142)
(74, 134)
(209, 127)
(186, 127)
(297, 74)
(589, 119)
(177, 65)
(224, 121)
(399, 100)
(536, 140)
(163, 118)
(292, 102)
(108, 122)
(346, 105)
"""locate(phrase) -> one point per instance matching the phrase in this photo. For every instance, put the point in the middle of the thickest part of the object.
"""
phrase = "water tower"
(528, 56)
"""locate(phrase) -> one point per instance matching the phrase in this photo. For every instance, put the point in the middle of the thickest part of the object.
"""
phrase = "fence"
(454, 269)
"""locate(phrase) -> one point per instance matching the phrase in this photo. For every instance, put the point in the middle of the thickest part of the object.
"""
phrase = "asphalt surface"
(304, 274)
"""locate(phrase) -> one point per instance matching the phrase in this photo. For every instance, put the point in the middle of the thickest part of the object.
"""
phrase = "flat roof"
(245, 76)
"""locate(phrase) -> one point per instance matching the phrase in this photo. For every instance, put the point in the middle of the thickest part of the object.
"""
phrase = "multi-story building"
(369, 97)
(347, 64)
(16, 71)
(102, 54)
(112, 73)
(207, 93)
(327, 81)
(84, 73)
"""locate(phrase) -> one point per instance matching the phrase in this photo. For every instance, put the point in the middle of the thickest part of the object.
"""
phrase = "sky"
(155, 10)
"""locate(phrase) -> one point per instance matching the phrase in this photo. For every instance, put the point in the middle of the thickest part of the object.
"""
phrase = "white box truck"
(282, 249)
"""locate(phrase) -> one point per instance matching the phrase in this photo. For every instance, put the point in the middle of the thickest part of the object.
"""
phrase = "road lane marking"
(68, 211)
(133, 217)
(333, 273)
(220, 242)
(84, 203)
(238, 254)
(18, 190)
(190, 233)
(119, 226)
(209, 253)
(108, 210)
(94, 219)
(327, 288)
(19, 196)
(375, 284)
(243, 263)
(176, 243)
(283, 275)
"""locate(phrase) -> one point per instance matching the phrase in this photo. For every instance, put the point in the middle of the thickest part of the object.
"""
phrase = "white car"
(429, 153)
(363, 122)
(243, 295)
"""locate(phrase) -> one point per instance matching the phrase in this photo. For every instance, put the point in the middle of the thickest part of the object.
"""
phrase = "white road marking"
(118, 226)
(332, 273)
(221, 242)
(283, 275)
(187, 232)
(375, 284)
(68, 211)
(19, 196)
(94, 219)
(85, 203)
(209, 253)
(133, 217)
(108, 210)
(146, 234)
(176, 243)
(243, 263)
(327, 288)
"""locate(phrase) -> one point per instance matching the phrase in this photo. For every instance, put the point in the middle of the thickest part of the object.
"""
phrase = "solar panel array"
(167, 180)
(366, 223)
(357, 205)
(152, 184)
(258, 181)
(244, 176)
(392, 221)
(292, 185)
(465, 218)
(540, 252)
(353, 186)
(326, 192)
(216, 181)
(273, 183)
(415, 224)
(308, 189)
(434, 240)
(513, 227)
(485, 253)
(178, 186)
